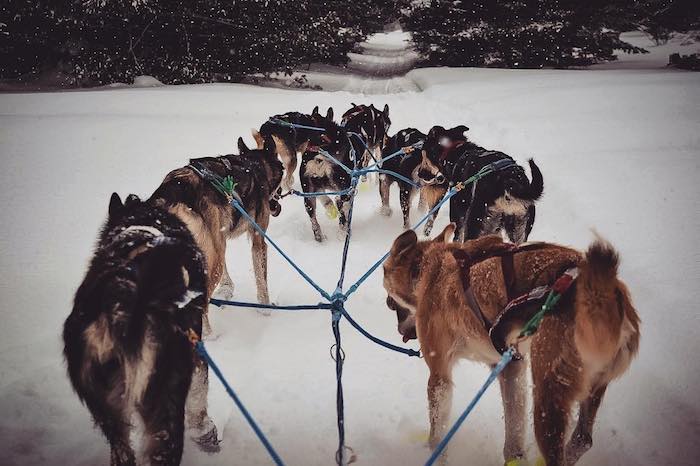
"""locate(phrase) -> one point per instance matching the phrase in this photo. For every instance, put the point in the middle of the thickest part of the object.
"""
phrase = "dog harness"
(224, 186)
(520, 308)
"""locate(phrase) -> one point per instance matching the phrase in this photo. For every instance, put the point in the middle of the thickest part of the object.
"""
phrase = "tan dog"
(583, 345)
(212, 220)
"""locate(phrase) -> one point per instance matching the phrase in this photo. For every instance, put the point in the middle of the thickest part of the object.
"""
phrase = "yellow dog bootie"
(332, 211)
(517, 462)
(524, 462)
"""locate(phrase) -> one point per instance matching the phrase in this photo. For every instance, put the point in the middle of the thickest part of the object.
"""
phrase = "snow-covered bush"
(528, 33)
(179, 41)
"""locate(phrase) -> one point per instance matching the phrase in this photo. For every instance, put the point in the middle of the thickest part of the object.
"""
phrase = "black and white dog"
(372, 125)
(502, 201)
(406, 165)
(288, 140)
(319, 174)
(126, 343)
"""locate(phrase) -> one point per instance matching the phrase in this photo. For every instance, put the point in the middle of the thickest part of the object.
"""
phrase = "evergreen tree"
(520, 34)
(179, 41)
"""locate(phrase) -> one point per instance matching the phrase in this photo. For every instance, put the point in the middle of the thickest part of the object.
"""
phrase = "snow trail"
(380, 68)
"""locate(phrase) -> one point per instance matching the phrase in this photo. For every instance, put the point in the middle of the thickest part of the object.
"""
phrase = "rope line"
(301, 307)
(337, 299)
(505, 359)
(202, 351)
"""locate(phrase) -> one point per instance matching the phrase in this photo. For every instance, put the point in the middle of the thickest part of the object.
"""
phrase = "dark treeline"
(540, 33)
(180, 41)
(191, 41)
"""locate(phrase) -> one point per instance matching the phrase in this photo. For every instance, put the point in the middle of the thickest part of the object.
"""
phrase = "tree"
(519, 34)
(179, 41)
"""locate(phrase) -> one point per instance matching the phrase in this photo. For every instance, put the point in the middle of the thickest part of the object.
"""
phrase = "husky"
(586, 342)
(372, 125)
(503, 201)
(319, 174)
(126, 343)
(212, 219)
(290, 141)
(409, 166)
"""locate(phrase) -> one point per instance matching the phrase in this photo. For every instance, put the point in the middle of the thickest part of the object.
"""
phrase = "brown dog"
(583, 345)
(211, 218)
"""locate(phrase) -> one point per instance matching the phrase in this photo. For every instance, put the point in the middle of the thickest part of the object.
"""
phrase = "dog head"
(273, 167)
(332, 136)
(401, 274)
(372, 123)
(437, 148)
(382, 124)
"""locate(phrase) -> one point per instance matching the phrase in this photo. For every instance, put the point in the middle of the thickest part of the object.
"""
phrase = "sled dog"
(450, 295)
(126, 343)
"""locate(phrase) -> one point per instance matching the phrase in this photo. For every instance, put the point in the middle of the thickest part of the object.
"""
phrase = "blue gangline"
(199, 346)
(380, 342)
(301, 307)
(505, 359)
(243, 212)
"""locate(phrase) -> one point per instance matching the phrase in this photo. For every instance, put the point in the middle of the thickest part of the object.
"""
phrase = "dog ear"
(131, 199)
(329, 113)
(315, 110)
(405, 240)
(435, 132)
(460, 130)
(447, 234)
(386, 110)
(242, 148)
(115, 205)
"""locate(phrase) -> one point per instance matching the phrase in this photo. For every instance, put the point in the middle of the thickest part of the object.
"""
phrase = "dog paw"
(265, 312)
(225, 292)
(385, 210)
(318, 236)
(206, 437)
(206, 327)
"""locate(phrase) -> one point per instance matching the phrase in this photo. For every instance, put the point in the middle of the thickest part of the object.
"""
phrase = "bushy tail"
(536, 184)
(600, 304)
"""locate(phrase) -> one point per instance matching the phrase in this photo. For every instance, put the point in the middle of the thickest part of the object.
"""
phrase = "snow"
(619, 153)
(146, 81)
(380, 68)
(658, 54)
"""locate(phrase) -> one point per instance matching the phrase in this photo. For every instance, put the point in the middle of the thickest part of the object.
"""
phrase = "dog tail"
(536, 184)
(603, 307)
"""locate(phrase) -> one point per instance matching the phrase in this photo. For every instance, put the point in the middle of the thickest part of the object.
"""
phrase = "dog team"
(158, 262)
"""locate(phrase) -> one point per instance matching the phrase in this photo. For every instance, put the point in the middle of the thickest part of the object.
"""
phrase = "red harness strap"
(521, 309)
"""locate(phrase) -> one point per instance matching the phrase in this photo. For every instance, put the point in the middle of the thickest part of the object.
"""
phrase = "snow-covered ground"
(619, 151)
(379, 68)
